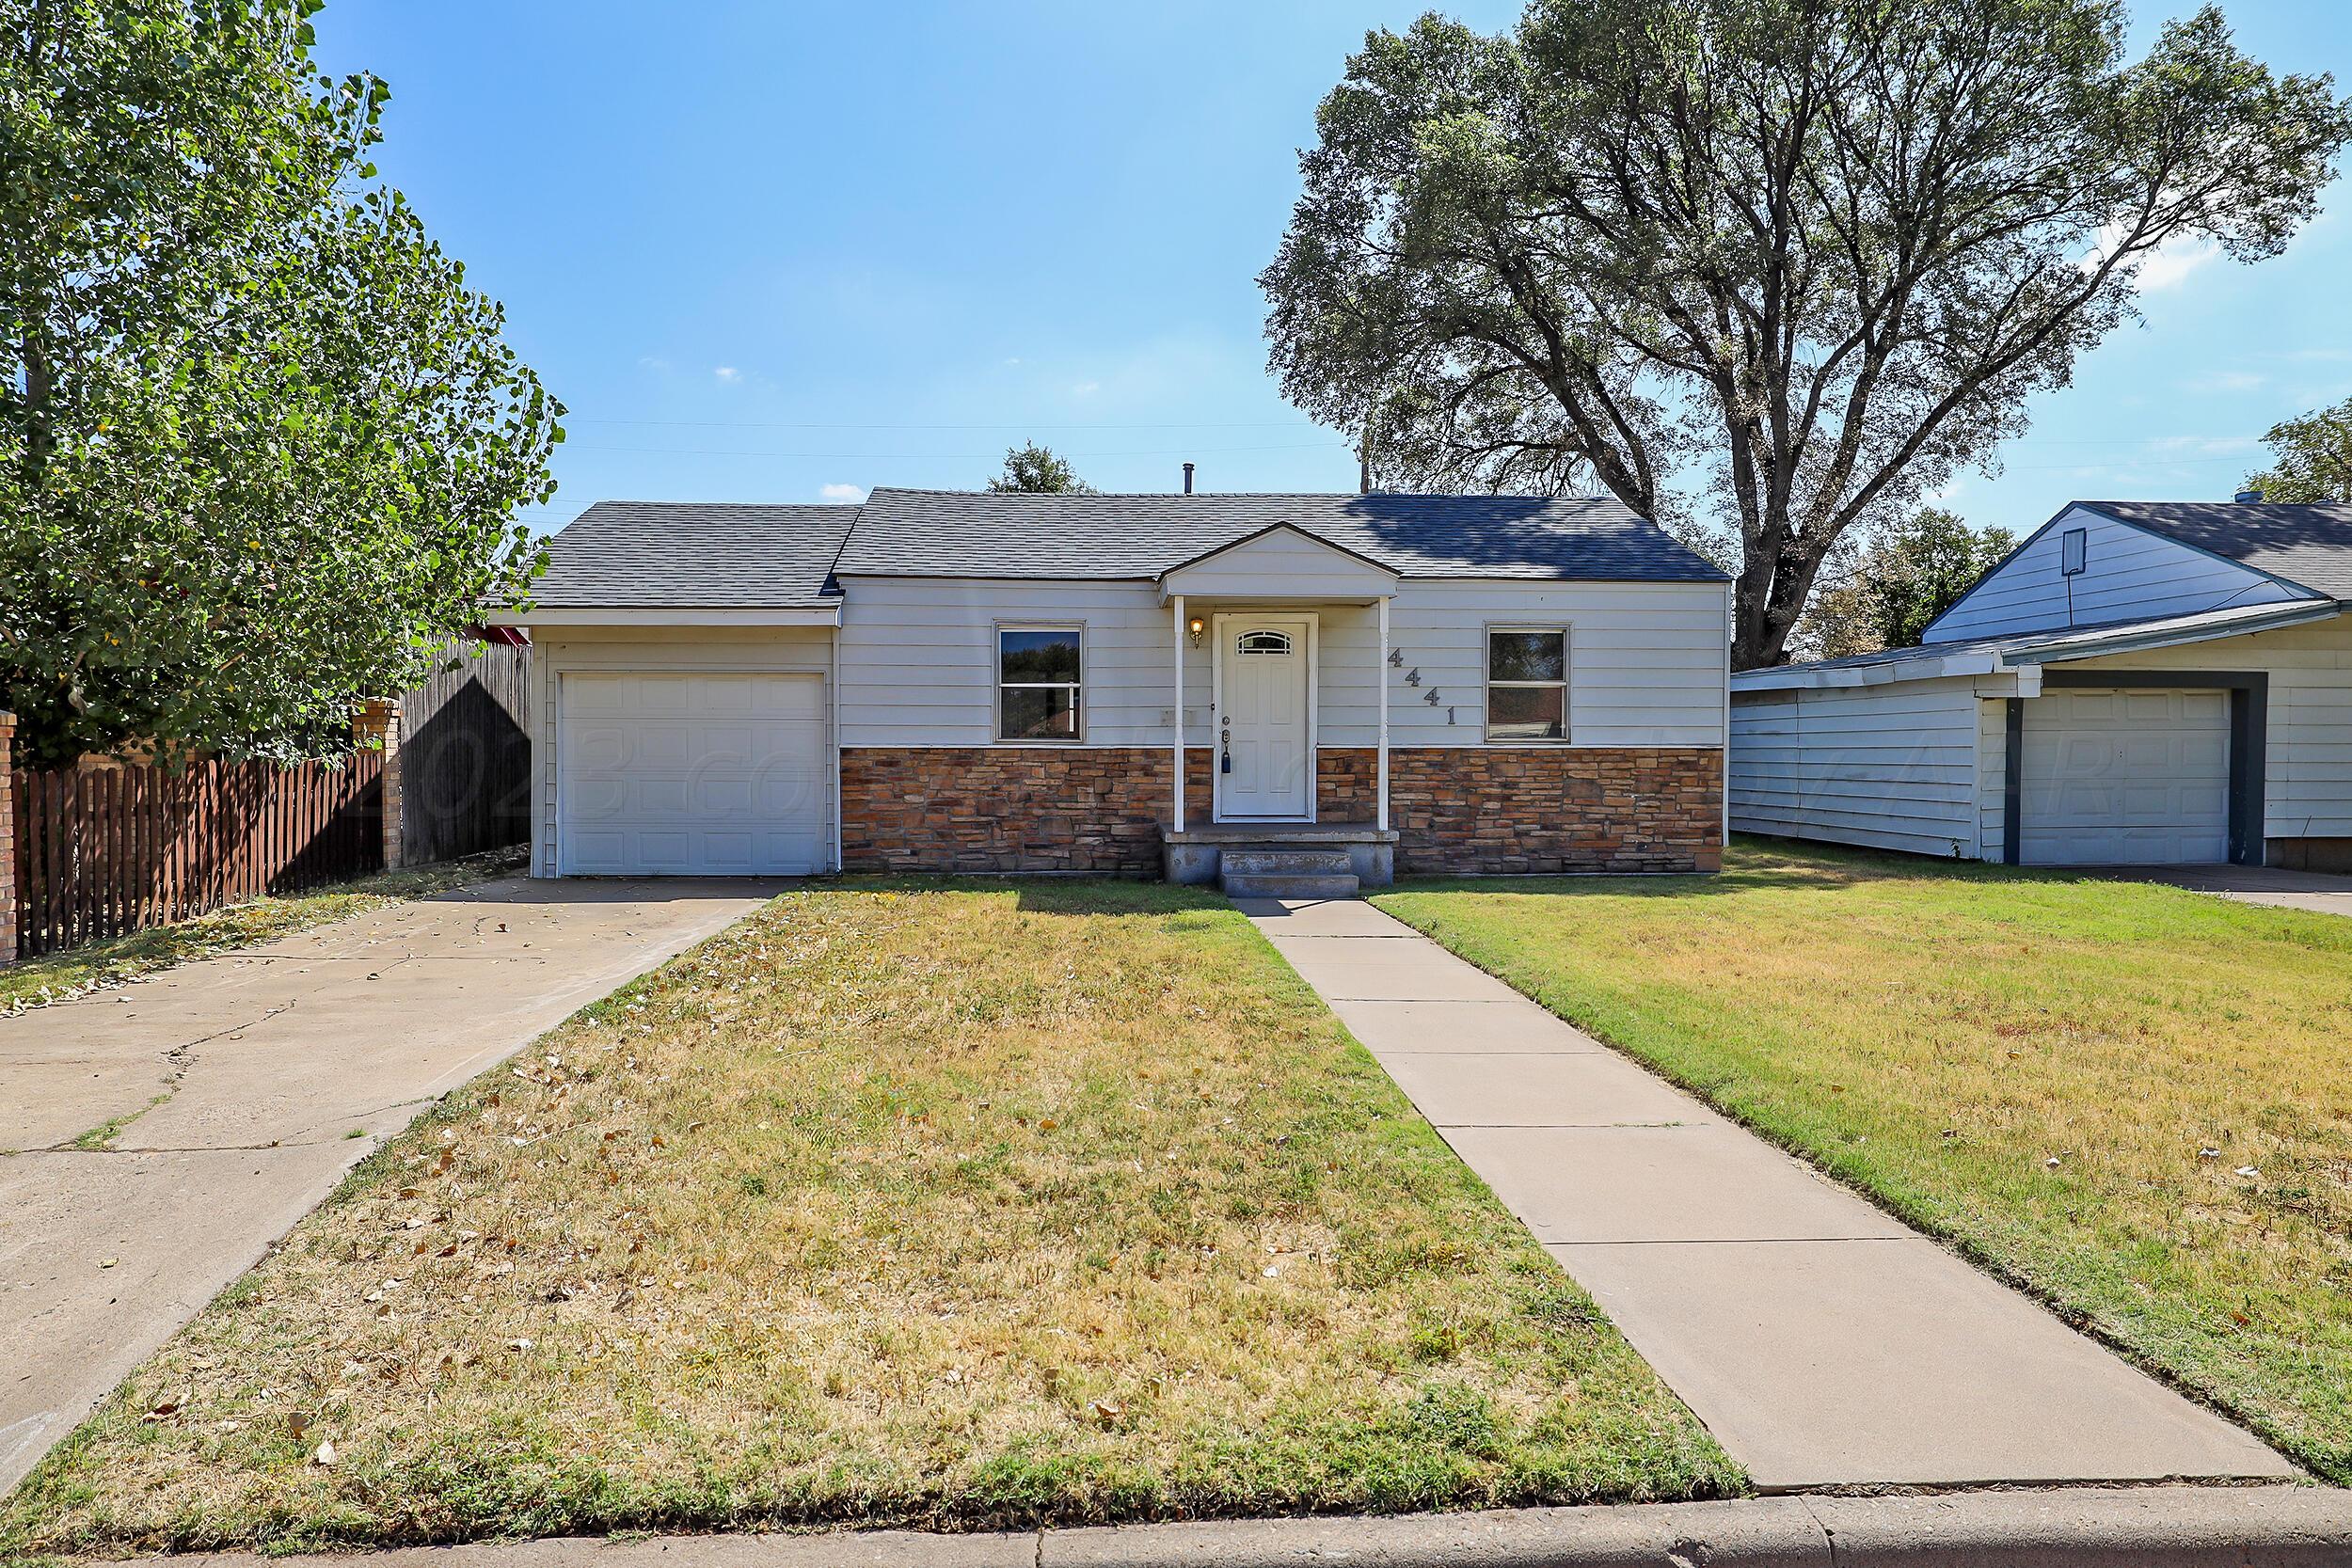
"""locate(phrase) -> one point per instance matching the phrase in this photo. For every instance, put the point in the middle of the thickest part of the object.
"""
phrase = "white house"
(2139, 683)
(947, 681)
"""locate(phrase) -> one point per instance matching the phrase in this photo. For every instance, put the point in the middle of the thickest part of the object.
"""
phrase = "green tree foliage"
(1789, 263)
(1035, 470)
(261, 448)
(2311, 458)
(1902, 578)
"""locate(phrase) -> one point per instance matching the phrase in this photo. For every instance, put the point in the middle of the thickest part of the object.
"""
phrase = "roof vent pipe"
(1188, 481)
(2248, 497)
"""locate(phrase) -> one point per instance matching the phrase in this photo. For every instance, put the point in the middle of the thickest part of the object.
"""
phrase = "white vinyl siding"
(2130, 575)
(1305, 566)
(1888, 766)
(919, 662)
(650, 650)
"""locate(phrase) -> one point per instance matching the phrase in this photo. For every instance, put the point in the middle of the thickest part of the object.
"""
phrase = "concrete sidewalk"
(2154, 1526)
(245, 1085)
(1824, 1343)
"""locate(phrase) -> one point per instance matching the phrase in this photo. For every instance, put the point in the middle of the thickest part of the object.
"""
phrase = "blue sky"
(785, 252)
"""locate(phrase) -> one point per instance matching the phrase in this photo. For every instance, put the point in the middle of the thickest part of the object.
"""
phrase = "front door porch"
(1264, 712)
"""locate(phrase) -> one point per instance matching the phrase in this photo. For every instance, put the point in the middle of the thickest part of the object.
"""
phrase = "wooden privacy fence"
(464, 781)
(109, 851)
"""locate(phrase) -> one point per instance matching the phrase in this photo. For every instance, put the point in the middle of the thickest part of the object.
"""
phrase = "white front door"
(1264, 765)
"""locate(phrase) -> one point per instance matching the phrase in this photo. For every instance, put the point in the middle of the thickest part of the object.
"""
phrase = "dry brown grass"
(2135, 1100)
(944, 1206)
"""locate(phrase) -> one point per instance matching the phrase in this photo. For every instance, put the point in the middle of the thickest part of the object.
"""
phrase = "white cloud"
(727, 372)
(2224, 380)
(653, 362)
(2201, 446)
(1085, 389)
(2166, 267)
(849, 495)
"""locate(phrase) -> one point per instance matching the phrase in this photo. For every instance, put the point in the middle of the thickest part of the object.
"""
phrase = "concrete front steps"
(1295, 873)
(1281, 860)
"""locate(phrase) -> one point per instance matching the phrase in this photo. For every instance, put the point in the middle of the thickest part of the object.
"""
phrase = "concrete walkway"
(246, 1084)
(1824, 1343)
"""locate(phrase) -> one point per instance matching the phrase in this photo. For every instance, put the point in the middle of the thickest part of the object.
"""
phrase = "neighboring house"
(945, 681)
(2139, 683)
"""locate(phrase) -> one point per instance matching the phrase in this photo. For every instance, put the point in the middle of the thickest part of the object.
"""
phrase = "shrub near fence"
(106, 851)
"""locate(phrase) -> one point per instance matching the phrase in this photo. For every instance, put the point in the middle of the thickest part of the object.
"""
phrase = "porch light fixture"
(1194, 627)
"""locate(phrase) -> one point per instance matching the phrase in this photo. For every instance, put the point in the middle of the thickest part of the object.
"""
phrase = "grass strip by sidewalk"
(939, 1206)
(76, 971)
(2134, 1100)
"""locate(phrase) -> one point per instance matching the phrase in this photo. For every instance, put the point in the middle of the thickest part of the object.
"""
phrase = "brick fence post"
(379, 722)
(7, 837)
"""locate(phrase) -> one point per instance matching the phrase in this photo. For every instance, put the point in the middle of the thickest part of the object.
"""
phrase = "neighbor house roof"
(986, 534)
(1993, 656)
(695, 555)
(2308, 545)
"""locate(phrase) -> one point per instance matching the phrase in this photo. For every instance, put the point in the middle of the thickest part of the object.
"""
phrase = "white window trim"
(996, 701)
(1567, 670)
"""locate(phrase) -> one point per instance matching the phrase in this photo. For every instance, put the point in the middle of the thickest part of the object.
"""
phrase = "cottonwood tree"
(2311, 458)
(1035, 470)
(1781, 266)
(261, 448)
(1904, 577)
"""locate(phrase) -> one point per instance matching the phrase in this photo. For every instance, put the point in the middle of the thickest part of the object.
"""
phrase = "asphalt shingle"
(695, 555)
(2306, 545)
(967, 533)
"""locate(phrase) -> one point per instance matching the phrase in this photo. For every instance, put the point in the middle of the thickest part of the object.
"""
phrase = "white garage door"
(692, 775)
(2125, 777)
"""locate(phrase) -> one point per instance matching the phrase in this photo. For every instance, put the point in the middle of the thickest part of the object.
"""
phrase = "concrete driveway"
(2321, 891)
(156, 1139)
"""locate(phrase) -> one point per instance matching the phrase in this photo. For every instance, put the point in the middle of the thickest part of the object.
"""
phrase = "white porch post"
(1176, 645)
(1380, 674)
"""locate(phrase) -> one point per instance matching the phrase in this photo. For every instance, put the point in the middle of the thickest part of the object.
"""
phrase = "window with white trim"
(1527, 683)
(1039, 681)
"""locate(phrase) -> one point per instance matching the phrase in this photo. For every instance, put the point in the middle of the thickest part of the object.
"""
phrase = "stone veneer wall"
(1503, 810)
(1490, 810)
(1012, 808)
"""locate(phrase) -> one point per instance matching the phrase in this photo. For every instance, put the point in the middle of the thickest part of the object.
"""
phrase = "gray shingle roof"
(967, 533)
(694, 555)
(2306, 545)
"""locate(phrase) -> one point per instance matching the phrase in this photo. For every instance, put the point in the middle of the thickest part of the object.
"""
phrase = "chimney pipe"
(1188, 479)
(2248, 497)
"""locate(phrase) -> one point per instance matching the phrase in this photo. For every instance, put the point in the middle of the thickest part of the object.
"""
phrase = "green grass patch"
(908, 1204)
(2134, 1100)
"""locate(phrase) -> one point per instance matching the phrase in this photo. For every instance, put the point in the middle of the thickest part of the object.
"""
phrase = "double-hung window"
(1039, 682)
(1527, 683)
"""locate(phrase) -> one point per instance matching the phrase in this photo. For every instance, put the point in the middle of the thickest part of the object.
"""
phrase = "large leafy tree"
(1038, 470)
(1905, 576)
(1783, 265)
(2311, 458)
(261, 448)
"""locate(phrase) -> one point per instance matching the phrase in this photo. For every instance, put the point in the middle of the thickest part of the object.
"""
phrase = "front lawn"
(940, 1206)
(2134, 1100)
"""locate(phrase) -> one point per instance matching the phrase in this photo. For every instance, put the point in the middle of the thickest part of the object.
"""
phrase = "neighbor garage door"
(2125, 777)
(692, 775)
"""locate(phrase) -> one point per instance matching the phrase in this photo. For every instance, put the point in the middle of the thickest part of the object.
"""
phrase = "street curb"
(2148, 1527)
